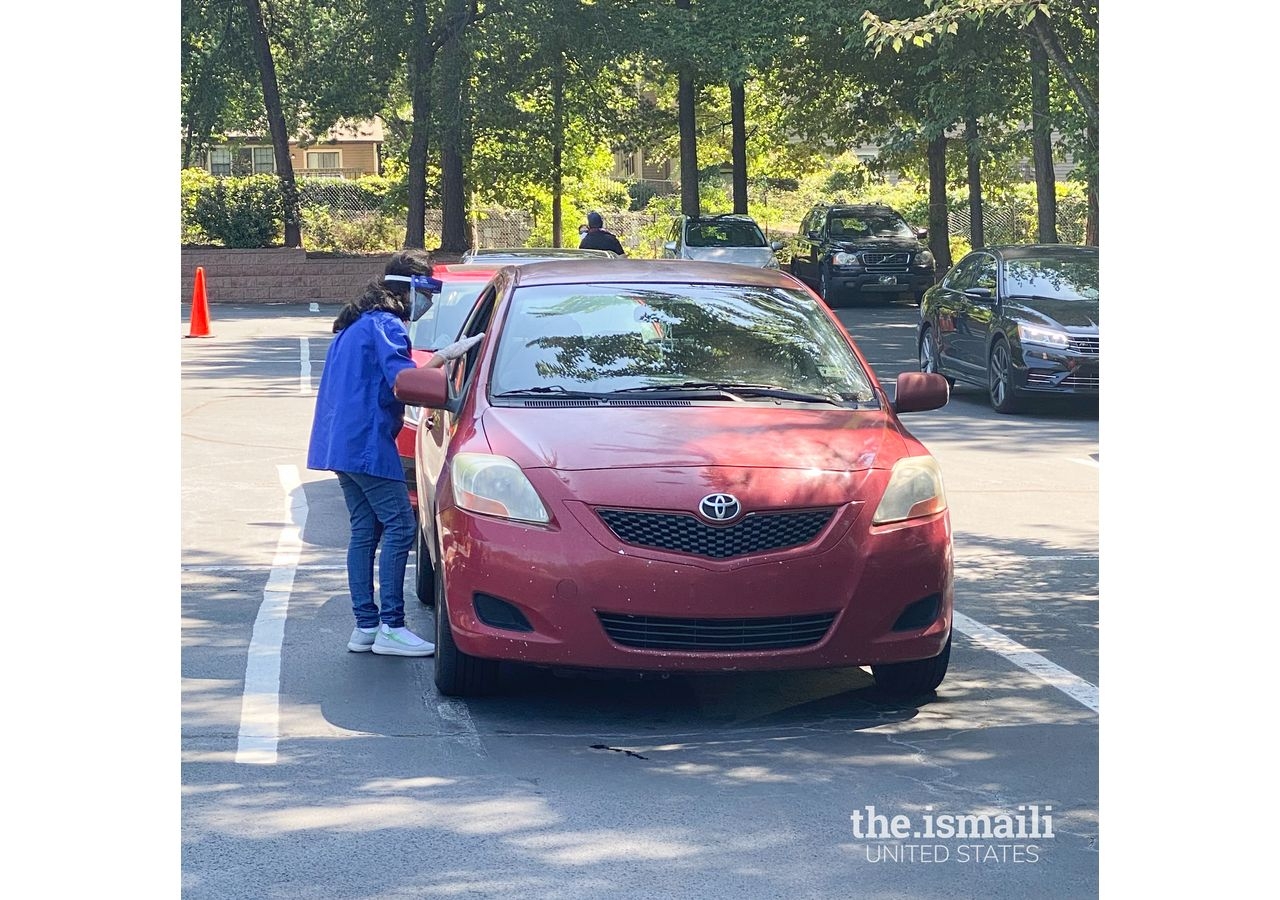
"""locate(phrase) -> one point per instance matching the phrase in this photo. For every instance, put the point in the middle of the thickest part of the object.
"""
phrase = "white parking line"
(260, 707)
(1086, 462)
(988, 638)
(305, 386)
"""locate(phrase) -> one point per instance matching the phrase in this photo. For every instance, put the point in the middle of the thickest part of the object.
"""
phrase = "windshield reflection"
(619, 337)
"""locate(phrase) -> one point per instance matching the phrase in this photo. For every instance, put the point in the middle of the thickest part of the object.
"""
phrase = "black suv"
(860, 250)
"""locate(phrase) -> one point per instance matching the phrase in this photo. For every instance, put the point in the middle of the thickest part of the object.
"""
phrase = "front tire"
(825, 289)
(912, 679)
(929, 356)
(458, 674)
(425, 573)
(1000, 379)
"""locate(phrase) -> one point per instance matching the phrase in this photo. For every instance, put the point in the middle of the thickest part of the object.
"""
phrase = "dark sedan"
(1019, 320)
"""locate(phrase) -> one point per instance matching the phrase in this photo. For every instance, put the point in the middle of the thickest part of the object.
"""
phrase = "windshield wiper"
(1042, 298)
(554, 389)
(735, 391)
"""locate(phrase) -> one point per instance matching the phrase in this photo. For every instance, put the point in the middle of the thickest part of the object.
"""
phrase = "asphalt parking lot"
(299, 758)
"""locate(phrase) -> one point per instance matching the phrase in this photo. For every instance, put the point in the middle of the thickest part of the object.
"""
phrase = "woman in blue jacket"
(353, 434)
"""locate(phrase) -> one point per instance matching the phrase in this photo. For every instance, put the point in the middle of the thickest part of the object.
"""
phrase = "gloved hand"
(460, 347)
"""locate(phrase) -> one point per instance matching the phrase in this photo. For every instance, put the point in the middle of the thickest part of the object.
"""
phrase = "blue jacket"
(357, 416)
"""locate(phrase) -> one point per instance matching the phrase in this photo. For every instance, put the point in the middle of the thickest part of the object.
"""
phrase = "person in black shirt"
(597, 238)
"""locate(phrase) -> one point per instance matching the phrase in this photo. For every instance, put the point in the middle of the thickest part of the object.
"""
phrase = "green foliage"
(367, 233)
(193, 181)
(243, 212)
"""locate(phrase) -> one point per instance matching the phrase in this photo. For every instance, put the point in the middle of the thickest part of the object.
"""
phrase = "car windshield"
(1054, 278)
(440, 324)
(724, 234)
(851, 225)
(644, 337)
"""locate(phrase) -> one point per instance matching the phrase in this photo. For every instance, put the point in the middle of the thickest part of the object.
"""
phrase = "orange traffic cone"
(199, 308)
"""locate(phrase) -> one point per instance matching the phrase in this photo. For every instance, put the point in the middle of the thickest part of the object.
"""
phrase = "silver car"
(728, 238)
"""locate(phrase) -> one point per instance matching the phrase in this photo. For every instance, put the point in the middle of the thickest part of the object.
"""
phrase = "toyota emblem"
(720, 507)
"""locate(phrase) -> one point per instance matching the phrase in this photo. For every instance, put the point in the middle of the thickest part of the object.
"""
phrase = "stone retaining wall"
(281, 275)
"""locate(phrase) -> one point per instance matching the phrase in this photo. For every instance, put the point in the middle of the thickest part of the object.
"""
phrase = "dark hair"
(595, 220)
(406, 262)
(389, 296)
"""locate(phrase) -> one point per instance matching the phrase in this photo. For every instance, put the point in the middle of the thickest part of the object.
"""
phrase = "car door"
(975, 314)
(942, 310)
(804, 262)
(437, 427)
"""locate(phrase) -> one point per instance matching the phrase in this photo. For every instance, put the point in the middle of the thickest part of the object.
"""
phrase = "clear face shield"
(422, 292)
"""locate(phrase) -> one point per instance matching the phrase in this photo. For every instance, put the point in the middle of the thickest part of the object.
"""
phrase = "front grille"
(1074, 380)
(710, 635)
(1082, 344)
(679, 533)
(886, 262)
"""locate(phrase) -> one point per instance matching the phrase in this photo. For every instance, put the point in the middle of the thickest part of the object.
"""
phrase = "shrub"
(243, 212)
(193, 182)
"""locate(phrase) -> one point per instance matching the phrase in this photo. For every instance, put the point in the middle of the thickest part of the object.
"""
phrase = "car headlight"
(915, 489)
(1046, 337)
(495, 486)
(844, 259)
(924, 258)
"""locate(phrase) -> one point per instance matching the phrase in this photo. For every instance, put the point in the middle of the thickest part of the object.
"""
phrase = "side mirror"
(815, 235)
(421, 386)
(922, 233)
(920, 391)
(669, 246)
(775, 245)
(979, 293)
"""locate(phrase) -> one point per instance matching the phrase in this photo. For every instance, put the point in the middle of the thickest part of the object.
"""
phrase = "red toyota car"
(668, 465)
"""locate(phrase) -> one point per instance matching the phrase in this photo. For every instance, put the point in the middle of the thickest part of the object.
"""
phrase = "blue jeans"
(380, 512)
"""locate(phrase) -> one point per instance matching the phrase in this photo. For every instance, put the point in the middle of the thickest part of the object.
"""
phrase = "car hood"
(670, 458)
(743, 256)
(757, 435)
(1072, 314)
(883, 245)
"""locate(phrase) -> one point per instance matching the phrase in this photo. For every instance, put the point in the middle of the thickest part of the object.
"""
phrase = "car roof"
(719, 217)
(860, 207)
(523, 252)
(1023, 251)
(654, 271)
(448, 271)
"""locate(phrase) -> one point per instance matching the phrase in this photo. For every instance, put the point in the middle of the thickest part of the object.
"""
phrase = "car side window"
(460, 370)
(984, 275)
(961, 276)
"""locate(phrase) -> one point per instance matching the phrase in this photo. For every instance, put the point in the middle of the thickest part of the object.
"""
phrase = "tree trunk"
(973, 148)
(939, 242)
(557, 152)
(738, 105)
(689, 201)
(453, 194)
(1091, 223)
(421, 61)
(275, 118)
(1042, 147)
(1043, 31)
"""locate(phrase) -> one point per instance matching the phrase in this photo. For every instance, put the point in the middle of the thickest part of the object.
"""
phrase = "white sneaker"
(401, 642)
(361, 639)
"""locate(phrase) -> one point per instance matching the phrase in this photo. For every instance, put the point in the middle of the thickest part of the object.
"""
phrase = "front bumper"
(855, 279)
(564, 579)
(1045, 370)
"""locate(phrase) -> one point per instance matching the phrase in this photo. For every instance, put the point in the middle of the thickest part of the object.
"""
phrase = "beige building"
(348, 150)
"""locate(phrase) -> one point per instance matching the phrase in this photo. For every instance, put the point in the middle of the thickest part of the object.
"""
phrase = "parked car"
(662, 466)
(861, 252)
(501, 255)
(438, 326)
(724, 238)
(1021, 321)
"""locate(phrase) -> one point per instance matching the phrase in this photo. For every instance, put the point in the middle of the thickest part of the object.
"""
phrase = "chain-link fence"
(364, 216)
(1016, 222)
